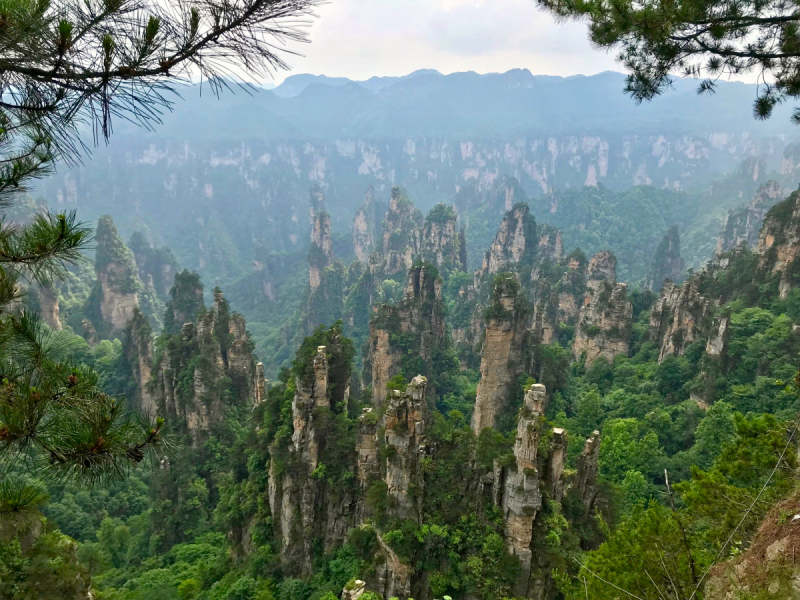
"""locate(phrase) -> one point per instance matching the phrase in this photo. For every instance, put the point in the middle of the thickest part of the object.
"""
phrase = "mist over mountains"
(226, 179)
(427, 103)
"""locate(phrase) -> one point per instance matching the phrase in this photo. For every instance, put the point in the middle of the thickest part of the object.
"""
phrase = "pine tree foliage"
(707, 40)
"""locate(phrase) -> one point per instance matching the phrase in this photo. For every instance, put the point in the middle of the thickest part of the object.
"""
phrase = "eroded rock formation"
(667, 262)
(213, 349)
(402, 233)
(320, 255)
(521, 496)
(416, 321)
(48, 307)
(679, 317)
(440, 239)
(364, 227)
(742, 226)
(117, 276)
(515, 243)
(604, 323)
(501, 354)
(778, 247)
(138, 347)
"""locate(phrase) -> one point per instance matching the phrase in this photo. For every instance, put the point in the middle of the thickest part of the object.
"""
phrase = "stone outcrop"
(667, 262)
(48, 307)
(305, 508)
(402, 233)
(605, 319)
(138, 348)
(521, 496)
(778, 246)
(742, 226)
(678, 317)
(585, 482)
(186, 301)
(213, 348)
(440, 239)
(364, 227)
(117, 276)
(551, 243)
(320, 255)
(501, 355)
(515, 243)
(405, 435)
(157, 266)
(368, 467)
(418, 317)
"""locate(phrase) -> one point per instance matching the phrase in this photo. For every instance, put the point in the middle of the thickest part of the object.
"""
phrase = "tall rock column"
(515, 243)
(138, 348)
(667, 262)
(117, 276)
(404, 425)
(586, 475)
(364, 227)
(680, 315)
(402, 233)
(502, 350)
(418, 318)
(440, 241)
(321, 253)
(405, 435)
(522, 497)
(48, 307)
(605, 321)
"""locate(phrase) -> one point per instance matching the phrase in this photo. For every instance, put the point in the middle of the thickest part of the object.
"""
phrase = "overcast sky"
(362, 38)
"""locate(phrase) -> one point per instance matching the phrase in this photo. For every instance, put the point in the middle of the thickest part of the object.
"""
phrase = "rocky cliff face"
(778, 246)
(320, 255)
(604, 323)
(515, 243)
(501, 355)
(157, 266)
(209, 352)
(551, 243)
(138, 348)
(679, 317)
(585, 482)
(402, 233)
(364, 227)
(667, 262)
(521, 496)
(305, 507)
(416, 322)
(742, 226)
(440, 239)
(48, 307)
(117, 276)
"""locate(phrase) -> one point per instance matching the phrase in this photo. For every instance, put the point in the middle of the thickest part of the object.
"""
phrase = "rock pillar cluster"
(605, 319)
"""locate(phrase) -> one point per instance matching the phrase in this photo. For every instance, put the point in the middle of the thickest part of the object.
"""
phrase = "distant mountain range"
(427, 103)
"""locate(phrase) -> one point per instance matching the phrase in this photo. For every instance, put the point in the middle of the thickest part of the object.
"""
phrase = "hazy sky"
(362, 38)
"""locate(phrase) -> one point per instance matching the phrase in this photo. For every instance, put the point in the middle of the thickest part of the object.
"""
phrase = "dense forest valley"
(508, 396)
